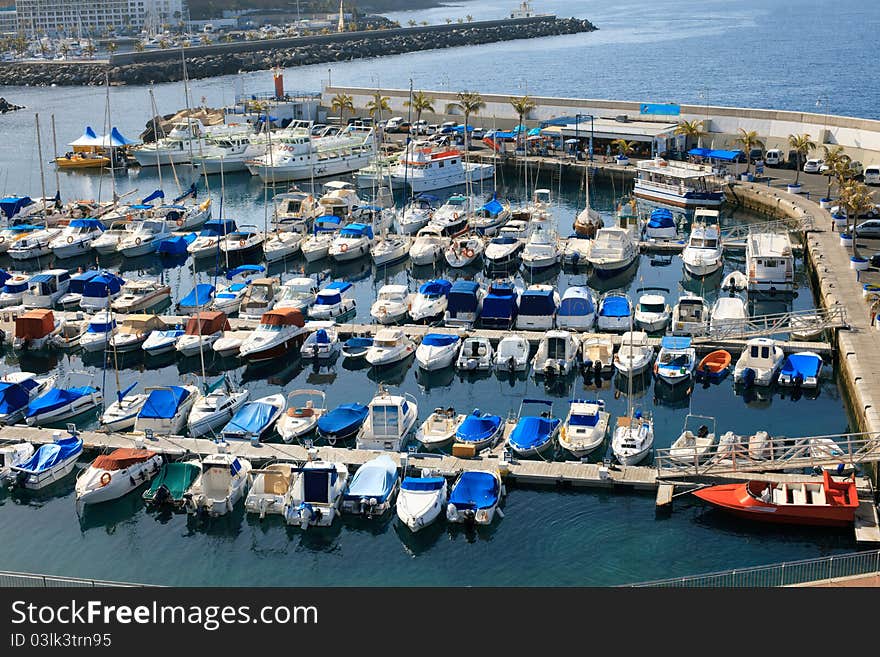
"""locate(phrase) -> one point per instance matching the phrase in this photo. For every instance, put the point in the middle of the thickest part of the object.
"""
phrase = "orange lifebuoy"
(469, 253)
(241, 242)
(129, 217)
(105, 478)
(180, 222)
(137, 240)
(455, 215)
(343, 248)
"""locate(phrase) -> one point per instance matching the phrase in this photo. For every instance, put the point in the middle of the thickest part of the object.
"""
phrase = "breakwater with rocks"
(229, 58)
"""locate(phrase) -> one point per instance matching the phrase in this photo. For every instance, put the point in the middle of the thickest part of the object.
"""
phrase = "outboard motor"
(511, 364)
(597, 373)
(162, 495)
(748, 377)
(587, 372)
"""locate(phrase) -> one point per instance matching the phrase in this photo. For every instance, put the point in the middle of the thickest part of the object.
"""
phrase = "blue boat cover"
(152, 197)
(216, 227)
(499, 306)
(661, 218)
(584, 420)
(256, 269)
(531, 432)
(477, 427)
(4, 276)
(176, 245)
(358, 230)
(48, 456)
(15, 396)
(675, 342)
(423, 483)
(327, 223)
(342, 286)
(374, 479)
(201, 294)
(101, 328)
(103, 285)
(17, 287)
(475, 490)
(438, 287)
(537, 302)
(56, 398)
(439, 340)
(577, 302)
(493, 207)
(463, 297)
(321, 336)
(163, 403)
(359, 342)
(252, 418)
(804, 364)
(343, 420)
(78, 281)
(89, 223)
(12, 205)
(615, 307)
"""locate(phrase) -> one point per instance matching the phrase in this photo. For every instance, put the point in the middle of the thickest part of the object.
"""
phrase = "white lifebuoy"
(137, 240)
(105, 478)
(70, 239)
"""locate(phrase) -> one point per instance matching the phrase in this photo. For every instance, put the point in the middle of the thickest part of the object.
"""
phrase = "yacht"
(392, 304)
(729, 315)
(417, 213)
(661, 225)
(144, 238)
(475, 498)
(464, 250)
(133, 331)
(301, 419)
(280, 245)
(679, 184)
(122, 413)
(501, 305)
(759, 362)
(294, 211)
(557, 353)
(614, 250)
(254, 419)
(635, 354)
(111, 476)
(339, 199)
(186, 137)
(333, 301)
(430, 301)
(424, 169)
(13, 290)
(389, 249)
(202, 331)
(464, 304)
(45, 288)
(633, 438)
(76, 238)
(138, 296)
(652, 313)
(505, 248)
(391, 345)
(703, 254)
(223, 483)
(99, 290)
(58, 404)
(390, 420)
(33, 245)
(351, 243)
(213, 411)
(421, 500)
(541, 250)
(271, 486)
(769, 262)
(260, 297)
(279, 330)
(690, 316)
(584, 428)
(534, 434)
(452, 217)
(316, 494)
(17, 389)
(428, 246)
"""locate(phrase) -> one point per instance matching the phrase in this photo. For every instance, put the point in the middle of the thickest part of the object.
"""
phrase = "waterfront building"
(57, 17)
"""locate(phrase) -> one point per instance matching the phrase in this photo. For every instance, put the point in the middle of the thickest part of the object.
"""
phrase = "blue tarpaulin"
(15, 396)
(537, 303)
(176, 245)
(162, 403)
(56, 398)
(216, 227)
(201, 295)
(103, 285)
(244, 269)
(343, 420)
(423, 483)
(157, 194)
(436, 288)
(661, 218)
(439, 339)
(723, 155)
(251, 419)
(88, 223)
(802, 364)
(12, 205)
(493, 208)
(576, 302)
(531, 432)
(48, 456)
(374, 479)
(358, 230)
(615, 307)
(463, 297)
(475, 490)
(477, 427)
(499, 306)
(78, 281)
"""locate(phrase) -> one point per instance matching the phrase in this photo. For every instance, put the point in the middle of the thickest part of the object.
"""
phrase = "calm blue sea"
(783, 54)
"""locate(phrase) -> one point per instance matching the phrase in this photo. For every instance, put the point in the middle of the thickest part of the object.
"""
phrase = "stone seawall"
(226, 59)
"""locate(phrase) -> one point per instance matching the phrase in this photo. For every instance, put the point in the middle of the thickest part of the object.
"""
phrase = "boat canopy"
(493, 208)
(661, 218)
(244, 269)
(89, 223)
(477, 427)
(532, 431)
(577, 302)
(327, 223)
(207, 322)
(537, 303)
(343, 419)
(12, 205)
(321, 337)
(716, 154)
(88, 138)
(116, 139)
(357, 230)
(34, 324)
(162, 403)
(176, 478)
(78, 281)
(122, 458)
(436, 288)
(56, 398)
(423, 483)
(14, 396)
(475, 490)
(803, 364)
(374, 479)
(341, 286)
(675, 342)
(4, 276)
(252, 418)
(215, 227)
(283, 317)
(48, 456)
(359, 341)
(199, 296)
(439, 339)
(176, 245)
(615, 307)
(103, 285)
(463, 297)
(499, 305)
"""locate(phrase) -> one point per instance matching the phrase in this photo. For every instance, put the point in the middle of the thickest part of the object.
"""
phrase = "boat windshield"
(556, 348)
(652, 307)
(583, 420)
(674, 360)
(704, 243)
(275, 328)
(385, 420)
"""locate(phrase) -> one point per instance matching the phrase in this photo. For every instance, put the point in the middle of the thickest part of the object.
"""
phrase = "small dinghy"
(801, 370)
(437, 351)
(534, 434)
(714, 366)
(50, 463)
(223, 483)
(227, 346)
(316, 494)
(475, 498)
(356, 347)
(301, 419)
(214, 409)
(270, 488)
(171, 485)
(122, 413)
(254, 419)
(479, 430)
(371, 490)
(69, 334)
(322, 343)
(342, 423)
(512, 354)
(694, 446)
(59, 404)
(166, 410)
(476, 353)
(676, 360)
(584, 428)
(162, 342)
(439, 429)
(12, 456)
(110, 476)
(421, 500)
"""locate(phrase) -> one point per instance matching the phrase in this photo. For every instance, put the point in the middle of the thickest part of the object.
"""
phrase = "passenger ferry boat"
(423, 170)
(186, 138)
(769, 262)
(680, 184)
(230, 152)
(301, 156)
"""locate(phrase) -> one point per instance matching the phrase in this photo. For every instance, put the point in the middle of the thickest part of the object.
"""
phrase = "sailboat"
(588, 220)
(634, 435)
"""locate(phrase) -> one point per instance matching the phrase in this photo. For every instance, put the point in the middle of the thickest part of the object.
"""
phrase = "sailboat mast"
(109, 133)
(199, 320)
(55, 154)
(40, 158)
(156, 134)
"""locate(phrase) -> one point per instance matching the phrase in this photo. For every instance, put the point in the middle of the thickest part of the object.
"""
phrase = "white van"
(872, 174)
(774, 157)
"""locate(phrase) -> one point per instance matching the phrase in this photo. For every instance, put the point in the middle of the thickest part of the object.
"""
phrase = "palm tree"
(377, 105)
(801, 145)
(523, 107)
(468, 103)
(420, 103)
(692, 131)
(469, 18)
(624, 147)
(411, 23)
(837, 162)
(112, 47)
(856, 199)
(163, 43)
(342, 103)
(89, 50)
(748, 139)
(139, 46)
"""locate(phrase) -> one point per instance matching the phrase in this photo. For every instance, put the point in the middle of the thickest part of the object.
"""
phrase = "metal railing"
(802, 322)
(33, 581)
(789, 224)
(733, 454)
(789, 573)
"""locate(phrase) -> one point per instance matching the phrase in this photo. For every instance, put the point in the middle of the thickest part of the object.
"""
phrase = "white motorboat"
(475, 497)
(227, 346)
(161, 341)
(694, 444)
(452, 217)
(270, 488)
(333, 301)
(690, 316)
(166, 410)
(437, 351)
(390, 345)
(476, 354)
(424, 169)
(615, 311)
(428, 246)
(392, 304)
(633, 438)
(759, 362)
(802, 369)
(254, 419)
(416, 214)
(351, 243)
(223, 483)
(421, 500)
(36, 329)
(13, 455)
(122, 413)
(676, 360)
(389, 249)
(260, 297)
(770, 262)
(212, 411)
(704, 252)
(17, 390)
(58, 404)
(50, 463)
(506, 247)
(322, 343)
(299, 292)
(144, 238)
(207, 242)
(537, 309)
(246, 238)
(280, 245)
(316, 494)
(113, 475)
(729, 315)
(294, 210)
(576, 250)
(614, 250)
(317, 245)
(439, 429)
(557, 353)
(202, 331)
(138, 296)
(635, 354)
(76, 238)
(577, 310)
(44, 289)
(430, 301)
(464, 250)
(133, 331)
(597, 353)
(69, 333)
(584, 427)
(33, 245)
(13, 290)
(301, 419)
(512, 354)
(390, 420)
(541, 250)
(652, 313)
(107, 242)
(185, 138)
(490, 217)
(228, 299)
(277, 333)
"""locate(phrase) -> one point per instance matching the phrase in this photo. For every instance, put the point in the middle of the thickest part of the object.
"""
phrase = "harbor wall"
(859, 137)
(230, 58)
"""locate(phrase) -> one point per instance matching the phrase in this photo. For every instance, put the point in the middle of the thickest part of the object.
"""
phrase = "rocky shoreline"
(262, 56)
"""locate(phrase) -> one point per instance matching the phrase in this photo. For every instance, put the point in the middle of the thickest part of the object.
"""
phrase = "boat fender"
(2, 239)
(70, 239)
(132, 481)
(105, 478)
(241, 242)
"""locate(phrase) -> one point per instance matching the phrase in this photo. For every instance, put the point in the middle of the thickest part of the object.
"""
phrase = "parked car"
(422, 128)
(872, 174)
(317, 128)
(774, 158)
(855, 167)
(478, 133)
(393, 124)
(870, 228)
(756, 154)
(813, 165)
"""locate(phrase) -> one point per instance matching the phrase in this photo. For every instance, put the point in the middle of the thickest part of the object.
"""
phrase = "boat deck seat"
(275, 484)
(779, 496)
(302, 412)
(817, 496)
(799, 495)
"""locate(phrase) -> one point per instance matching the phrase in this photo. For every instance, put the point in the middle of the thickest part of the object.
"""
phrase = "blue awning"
(89, 223)
(162, 404)
(675, 342)
(118, 139)
(716, 154)
(358, 230)
(439, 339)
(12, 205)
